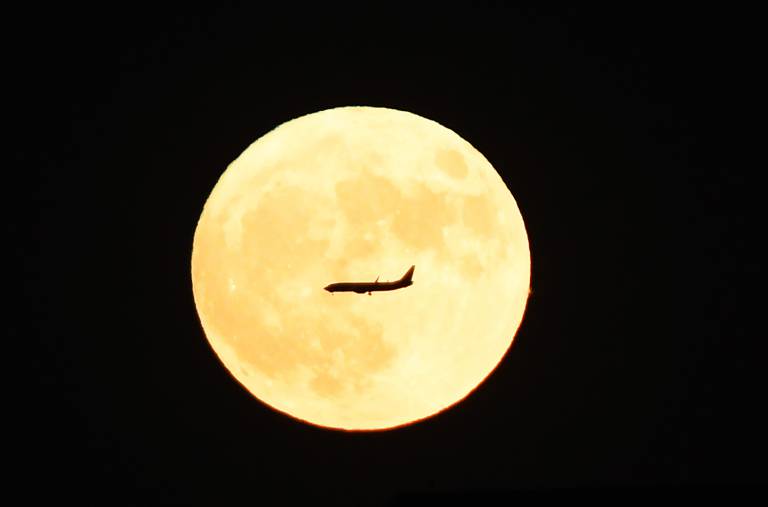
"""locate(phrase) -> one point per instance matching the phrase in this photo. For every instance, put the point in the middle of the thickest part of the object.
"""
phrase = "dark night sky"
(635, 365)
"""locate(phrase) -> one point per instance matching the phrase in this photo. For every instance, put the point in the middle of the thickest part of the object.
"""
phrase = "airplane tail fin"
(408, 276)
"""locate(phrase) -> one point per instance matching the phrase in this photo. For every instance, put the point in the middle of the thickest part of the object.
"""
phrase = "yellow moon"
(352, 194)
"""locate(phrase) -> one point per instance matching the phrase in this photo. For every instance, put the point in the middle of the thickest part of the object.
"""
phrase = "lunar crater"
(452, 163)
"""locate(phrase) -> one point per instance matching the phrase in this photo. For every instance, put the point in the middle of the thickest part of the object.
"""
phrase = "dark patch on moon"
(452, 163)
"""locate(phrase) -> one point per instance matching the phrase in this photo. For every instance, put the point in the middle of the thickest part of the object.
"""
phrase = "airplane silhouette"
(363, 287)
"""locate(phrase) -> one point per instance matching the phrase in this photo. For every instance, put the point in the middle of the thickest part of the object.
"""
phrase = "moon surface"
(349, 194)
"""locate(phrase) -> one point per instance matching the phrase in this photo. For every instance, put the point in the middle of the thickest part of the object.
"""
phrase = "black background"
(636, 363)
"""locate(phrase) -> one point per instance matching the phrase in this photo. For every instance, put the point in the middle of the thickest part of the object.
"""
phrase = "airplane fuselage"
(377, 286)
(363, 287)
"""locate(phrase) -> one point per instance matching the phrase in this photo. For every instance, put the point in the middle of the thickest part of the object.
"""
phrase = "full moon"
(352, 194)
